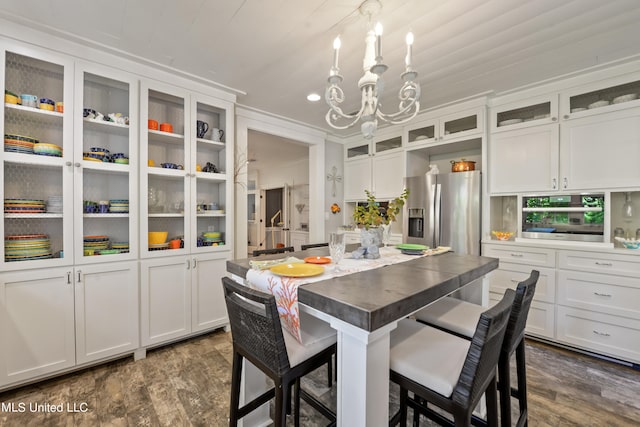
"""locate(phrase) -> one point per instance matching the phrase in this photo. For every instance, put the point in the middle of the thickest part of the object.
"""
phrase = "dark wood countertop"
(374, 298)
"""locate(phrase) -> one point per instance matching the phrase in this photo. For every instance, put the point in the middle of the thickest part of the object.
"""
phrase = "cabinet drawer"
(603, 293)
(611, 335)
(624, 265)
(541, 319)
(510, 274)
(522, 255)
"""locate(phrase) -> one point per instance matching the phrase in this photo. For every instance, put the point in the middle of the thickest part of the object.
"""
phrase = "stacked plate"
(412, 249)
(119, 206)
(96, 243)
(24, 206)
(159, 246)
(54, 204)
(26, 247)
(45, 149)
(19, 144)
(211, 238)
(123, 247)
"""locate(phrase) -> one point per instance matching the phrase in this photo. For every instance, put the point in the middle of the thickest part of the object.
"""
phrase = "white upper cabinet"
(525, 159)
(376, 166)
(593, 145)
(438, 127)
(601, 151)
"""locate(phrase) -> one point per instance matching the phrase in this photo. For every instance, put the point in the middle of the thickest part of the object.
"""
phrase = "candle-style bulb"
(336, 48)
(409, 38)
(378, 31)
(407, 60)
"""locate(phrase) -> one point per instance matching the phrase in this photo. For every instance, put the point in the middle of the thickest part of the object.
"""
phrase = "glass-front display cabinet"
(164, 157)
(37, 168)
(106, 160)
(209, 174)
(186, 168)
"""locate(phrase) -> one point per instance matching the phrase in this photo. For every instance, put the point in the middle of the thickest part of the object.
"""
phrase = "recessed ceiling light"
(313, 97)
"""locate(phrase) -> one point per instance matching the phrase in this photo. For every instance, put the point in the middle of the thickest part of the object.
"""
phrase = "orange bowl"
(153, 124)
(166, 127)
(502, 235)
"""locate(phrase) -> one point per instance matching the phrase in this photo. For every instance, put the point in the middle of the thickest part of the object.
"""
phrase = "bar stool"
(257, 336)
(460, 317)
(450, 372)
(313, 245)
(282, 250)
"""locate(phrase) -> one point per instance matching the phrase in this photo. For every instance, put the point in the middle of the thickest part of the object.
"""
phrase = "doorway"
(275, 221)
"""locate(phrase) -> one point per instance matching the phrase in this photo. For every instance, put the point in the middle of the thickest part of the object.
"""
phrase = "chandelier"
(371, 84)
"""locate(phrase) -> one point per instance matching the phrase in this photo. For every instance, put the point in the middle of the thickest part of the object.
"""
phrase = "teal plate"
(412, 247)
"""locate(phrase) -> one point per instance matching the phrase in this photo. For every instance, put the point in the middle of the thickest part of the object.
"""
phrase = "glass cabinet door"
(165, 167)
(36, 162)
(106, 162)
(209, 175)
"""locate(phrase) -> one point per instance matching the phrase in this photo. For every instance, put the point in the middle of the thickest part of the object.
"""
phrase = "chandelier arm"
(335, 112)
(409, 101)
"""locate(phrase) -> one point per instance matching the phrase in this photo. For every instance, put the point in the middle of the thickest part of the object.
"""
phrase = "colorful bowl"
(157, 237)
(502, 235)
(11, 98)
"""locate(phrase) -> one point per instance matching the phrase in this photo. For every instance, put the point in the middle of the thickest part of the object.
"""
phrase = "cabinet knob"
(566, 116)
(555, 119)
(69, 163)
(77, 164)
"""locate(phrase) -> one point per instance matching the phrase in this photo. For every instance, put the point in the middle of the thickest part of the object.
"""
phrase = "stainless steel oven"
(578, 217)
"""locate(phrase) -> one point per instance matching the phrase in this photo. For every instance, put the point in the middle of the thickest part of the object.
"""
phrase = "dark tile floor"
(187, 384)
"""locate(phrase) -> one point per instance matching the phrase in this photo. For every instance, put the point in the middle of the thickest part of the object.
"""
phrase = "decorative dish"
(510, 122)
(502, 235)
(297, 270)
(598, 104)
(629, 243)
(625, 98)
(412, 247)
(317, 260)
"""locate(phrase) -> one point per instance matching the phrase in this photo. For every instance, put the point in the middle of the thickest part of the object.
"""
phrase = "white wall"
(333, 154)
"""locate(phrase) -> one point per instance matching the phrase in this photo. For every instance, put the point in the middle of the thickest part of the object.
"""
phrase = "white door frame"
(251, 120)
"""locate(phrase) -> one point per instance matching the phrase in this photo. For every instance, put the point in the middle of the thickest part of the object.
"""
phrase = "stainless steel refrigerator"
(444, 210)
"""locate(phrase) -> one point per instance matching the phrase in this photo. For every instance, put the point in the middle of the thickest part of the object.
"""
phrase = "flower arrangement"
(371, 215)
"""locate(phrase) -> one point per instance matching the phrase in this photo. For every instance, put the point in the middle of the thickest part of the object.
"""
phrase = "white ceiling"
(277, 51)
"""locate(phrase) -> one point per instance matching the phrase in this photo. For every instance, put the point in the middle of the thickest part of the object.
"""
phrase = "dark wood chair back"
(282, 250)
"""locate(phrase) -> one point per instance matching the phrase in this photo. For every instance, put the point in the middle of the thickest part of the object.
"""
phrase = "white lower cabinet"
(181, 295)
(106, 307)
(208, 309)
(36, 324)
(614, 336)
(598, 303)
(541, 320)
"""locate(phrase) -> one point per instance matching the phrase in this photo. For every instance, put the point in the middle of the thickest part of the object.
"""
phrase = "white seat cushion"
(452, 314)
(428, 356)
(316, 336)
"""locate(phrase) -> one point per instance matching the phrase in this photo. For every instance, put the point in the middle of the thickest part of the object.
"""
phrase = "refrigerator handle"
(436, 219)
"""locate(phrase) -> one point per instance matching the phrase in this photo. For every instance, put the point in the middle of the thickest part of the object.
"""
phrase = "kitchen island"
(364, 308)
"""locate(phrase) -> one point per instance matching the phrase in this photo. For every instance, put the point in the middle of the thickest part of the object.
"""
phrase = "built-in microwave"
(567, 217)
